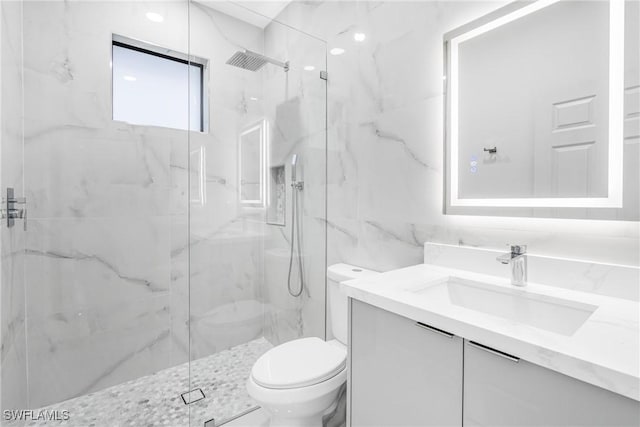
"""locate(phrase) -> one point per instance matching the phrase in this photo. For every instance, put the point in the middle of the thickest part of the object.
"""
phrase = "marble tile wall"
(295, 104)
(385, 167)
(117, 266)
(226, 242)
(103, 197)
(108, 287)
(13, 369)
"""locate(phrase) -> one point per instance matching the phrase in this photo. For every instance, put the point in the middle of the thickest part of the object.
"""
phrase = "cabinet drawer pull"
(436, 330)
(494, 351)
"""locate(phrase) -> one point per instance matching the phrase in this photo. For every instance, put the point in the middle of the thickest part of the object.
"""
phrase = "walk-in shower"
(144, 287)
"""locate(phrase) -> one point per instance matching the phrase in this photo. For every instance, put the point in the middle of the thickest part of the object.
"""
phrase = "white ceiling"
(255, 12)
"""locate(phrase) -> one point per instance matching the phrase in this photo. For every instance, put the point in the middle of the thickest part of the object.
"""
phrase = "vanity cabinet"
(500, 390)
(402, 373)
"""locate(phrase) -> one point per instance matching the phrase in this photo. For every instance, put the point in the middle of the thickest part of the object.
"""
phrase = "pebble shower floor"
(154, 400)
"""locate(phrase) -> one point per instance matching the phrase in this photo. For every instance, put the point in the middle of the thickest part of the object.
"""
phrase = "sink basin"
(517, 305)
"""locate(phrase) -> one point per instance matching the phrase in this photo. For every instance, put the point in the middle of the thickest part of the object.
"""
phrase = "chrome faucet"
(517, 259)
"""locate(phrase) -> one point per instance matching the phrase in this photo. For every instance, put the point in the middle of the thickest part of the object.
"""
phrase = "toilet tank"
(338, 308)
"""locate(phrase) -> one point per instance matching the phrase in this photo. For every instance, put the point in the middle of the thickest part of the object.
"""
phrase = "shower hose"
(295, 234)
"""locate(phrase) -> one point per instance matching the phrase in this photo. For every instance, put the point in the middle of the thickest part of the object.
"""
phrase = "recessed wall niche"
(277, 196)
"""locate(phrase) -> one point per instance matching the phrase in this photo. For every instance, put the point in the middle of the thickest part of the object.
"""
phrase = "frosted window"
(151, 89)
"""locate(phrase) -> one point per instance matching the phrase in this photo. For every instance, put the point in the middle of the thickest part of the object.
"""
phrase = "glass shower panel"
(106, 248)
(263, 108)
(296, 105)
(13, 348)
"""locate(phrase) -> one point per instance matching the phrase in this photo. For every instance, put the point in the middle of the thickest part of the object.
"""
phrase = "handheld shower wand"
(294, 162)
(296, 186)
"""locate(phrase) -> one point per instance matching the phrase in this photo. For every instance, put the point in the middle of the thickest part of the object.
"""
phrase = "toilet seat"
(299, 363)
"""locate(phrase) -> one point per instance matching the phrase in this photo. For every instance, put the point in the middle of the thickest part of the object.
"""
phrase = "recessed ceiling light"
(130, 78)
(253, 98)
(359, 37)
(309, 68)
(155, 17)
(337, 51)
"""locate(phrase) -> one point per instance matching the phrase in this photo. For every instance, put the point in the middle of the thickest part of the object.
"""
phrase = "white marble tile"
(225, 297)
(78, 173)
(283, 313)
(98, 291)
(295, 104)
(313, 173)
(109, 200)
(288, 317)
(342, 239)
(179, 301)
(601, 241)
(342, 172)
(384, 246)
(13, 352)
(78, 263)
(65, 47)
(396, 171)
(385, 141)
(102, 347)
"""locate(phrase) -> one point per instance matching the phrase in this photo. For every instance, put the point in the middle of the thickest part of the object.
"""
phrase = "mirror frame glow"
(263, 127)
(616, 107)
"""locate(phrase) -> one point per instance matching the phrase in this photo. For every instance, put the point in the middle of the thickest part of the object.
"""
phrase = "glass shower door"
(157, 180)
(265, 102)
(95, 99)
(13, 348)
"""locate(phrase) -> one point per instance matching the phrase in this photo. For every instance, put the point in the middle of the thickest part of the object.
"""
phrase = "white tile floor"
(155, 400)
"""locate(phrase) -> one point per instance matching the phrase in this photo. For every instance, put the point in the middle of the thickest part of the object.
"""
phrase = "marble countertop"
(604, 351)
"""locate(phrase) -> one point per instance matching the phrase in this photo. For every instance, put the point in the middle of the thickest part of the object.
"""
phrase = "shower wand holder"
(298, 185)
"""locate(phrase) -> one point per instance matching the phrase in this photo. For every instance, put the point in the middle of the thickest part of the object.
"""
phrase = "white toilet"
(298, 382)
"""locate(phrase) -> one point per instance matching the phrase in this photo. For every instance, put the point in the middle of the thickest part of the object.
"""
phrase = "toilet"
(298, 382)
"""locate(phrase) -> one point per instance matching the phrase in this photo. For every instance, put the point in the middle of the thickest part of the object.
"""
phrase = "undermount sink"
(518, 305)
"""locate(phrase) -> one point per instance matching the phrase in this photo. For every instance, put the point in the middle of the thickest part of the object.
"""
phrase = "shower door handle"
(10, 210)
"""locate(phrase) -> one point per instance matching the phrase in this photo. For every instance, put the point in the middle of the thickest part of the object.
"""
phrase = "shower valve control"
(10, 209)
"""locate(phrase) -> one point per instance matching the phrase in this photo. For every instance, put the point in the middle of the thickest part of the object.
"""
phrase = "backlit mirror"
(252, 168)
(542, 111)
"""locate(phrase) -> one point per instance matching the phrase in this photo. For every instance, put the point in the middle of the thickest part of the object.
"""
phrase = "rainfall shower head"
(253, 61)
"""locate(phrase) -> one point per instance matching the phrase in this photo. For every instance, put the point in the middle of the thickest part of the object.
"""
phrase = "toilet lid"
(299, 363)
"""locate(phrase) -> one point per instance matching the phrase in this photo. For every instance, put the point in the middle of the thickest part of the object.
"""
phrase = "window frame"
(190, 60)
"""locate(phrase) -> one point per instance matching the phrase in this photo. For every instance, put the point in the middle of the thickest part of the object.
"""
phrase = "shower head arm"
(280, 64)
